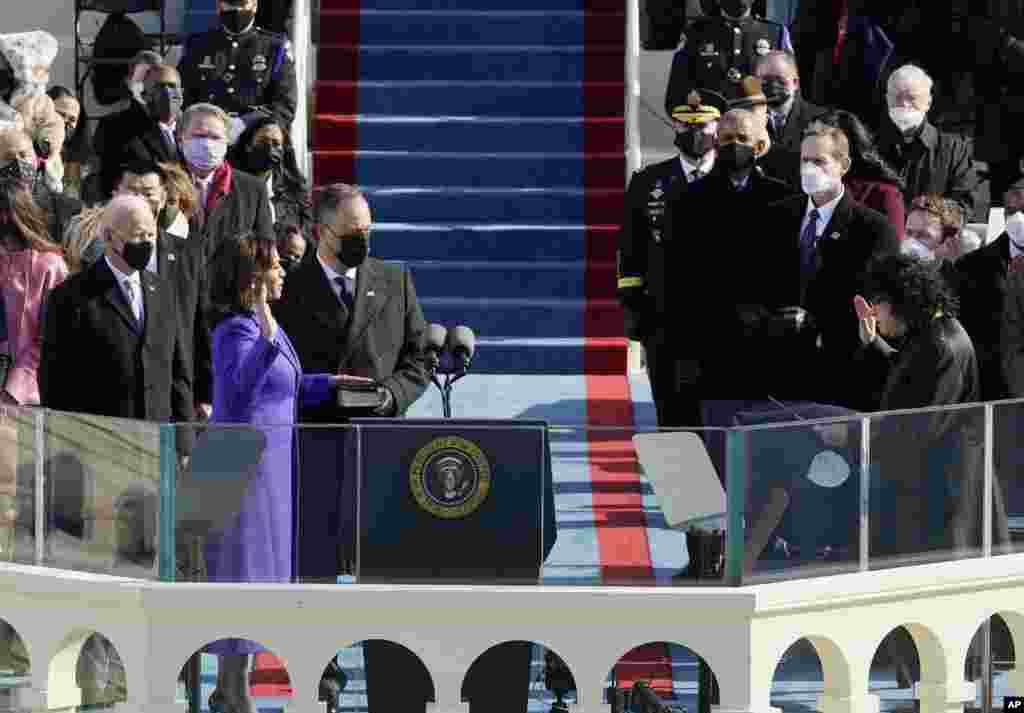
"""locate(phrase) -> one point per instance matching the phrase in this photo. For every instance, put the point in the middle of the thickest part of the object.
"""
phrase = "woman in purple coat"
(257, 380)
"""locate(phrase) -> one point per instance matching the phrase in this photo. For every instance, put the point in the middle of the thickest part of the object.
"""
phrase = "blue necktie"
(808, 252)
(345, 291)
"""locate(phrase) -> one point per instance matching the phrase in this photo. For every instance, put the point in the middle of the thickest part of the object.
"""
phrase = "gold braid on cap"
(693, 112)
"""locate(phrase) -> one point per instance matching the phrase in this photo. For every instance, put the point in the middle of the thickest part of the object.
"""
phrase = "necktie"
(808, 252)
(133, 300)
(345, 291)
(695, 175)
(775, 124)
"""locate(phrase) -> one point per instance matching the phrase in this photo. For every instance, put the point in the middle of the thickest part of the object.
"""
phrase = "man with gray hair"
(121, 320)
(231, 202)
(928, 160)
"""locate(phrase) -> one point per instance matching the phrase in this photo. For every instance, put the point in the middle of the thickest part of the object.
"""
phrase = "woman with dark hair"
(30, 267)
(76, 151)
(927, 493)
(264, 149)
(870, 180)
(257, 380)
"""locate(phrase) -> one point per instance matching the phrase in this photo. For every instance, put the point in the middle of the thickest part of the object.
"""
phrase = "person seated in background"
(933, 232)
(871, 180)
(181, 201)
(145, 130)
(30, 267)
(265, 151)
(18, 155)
(928, 160)
(77, 150)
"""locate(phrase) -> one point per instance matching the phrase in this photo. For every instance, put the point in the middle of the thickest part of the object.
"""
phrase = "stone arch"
(1007, 635)
(504, 661)
(381, 659)
(837, 680)
(675, 648)
(14, 653)
(86, 669)
(928, 649)
(257, 677)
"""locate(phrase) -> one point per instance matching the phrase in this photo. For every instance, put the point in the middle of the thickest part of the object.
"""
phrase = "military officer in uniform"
(246, 71)
(641, 257)
(720, 49)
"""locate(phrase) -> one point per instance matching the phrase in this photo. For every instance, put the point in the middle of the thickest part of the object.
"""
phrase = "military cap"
(753, 95)
(701, 107)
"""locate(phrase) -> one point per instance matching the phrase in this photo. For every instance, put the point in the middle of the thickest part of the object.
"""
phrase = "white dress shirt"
(705, 166)
(203, 184)
(168, 131)
(123, 281)
(824, 213)
(331, 274)
(179, 228)
(270, 195)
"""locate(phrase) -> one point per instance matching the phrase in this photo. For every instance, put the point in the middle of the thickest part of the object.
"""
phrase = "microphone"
(437, 335)
(462, 344)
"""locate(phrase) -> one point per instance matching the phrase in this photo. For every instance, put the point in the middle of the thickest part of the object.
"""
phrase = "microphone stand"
(451, 375)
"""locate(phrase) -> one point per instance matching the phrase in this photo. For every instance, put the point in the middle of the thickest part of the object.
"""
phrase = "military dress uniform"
(718, 52)
(642, 272)
(248, 75)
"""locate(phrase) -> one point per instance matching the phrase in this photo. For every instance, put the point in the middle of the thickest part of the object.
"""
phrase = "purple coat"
(260, 382)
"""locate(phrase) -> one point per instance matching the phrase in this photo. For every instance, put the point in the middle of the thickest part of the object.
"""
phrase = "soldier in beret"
(641, 259)
(720, 49)
(243, 69)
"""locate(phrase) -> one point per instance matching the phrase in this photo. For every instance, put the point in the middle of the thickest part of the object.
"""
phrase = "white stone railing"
(740, 632)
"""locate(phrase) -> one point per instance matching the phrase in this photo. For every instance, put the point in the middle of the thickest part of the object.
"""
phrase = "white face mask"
(1015, 228)
(814, 179)
(204, 153)
(915, 248)
(906, 119)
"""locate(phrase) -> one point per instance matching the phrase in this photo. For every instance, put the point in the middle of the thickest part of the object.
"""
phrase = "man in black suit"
(144, 132)
(231, 203)
(642, 269)
(819, 244)
(183, 264)
(705, 233)
(347, 313)
(788, 112)
(120, 320)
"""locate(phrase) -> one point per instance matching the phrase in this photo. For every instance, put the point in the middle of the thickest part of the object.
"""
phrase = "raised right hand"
(867, 322)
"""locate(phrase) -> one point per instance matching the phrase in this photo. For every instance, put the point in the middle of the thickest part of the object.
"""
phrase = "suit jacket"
(245, 208)
(802, 369)
(182, 263)
(705, 230)
(801, 114)
(381, 340)
(1012, 335)
(133, 371)
(131, 136)
(980, 281)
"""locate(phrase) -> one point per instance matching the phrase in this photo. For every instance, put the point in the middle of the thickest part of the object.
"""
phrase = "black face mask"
(137, 254)
(263, 157)
(694, 143)
(18, 171)
(736, 157)
(164, 103)
(735, 8)
(353, 248)
(776, 92)
(236, 20)
(289, 263)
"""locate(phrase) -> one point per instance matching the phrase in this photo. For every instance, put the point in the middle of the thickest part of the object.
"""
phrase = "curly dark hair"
(866, 162)
(916, 290)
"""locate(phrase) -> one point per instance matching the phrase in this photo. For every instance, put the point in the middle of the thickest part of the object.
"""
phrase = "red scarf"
(219, 186)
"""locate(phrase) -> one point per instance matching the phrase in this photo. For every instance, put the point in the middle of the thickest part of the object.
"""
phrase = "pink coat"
(26, 278)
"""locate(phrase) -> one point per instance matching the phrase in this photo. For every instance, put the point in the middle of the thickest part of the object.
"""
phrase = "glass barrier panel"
(801, 487)
(1007, 477)
(927, 478)
(237, 501)
(102, 494)
(18, 484)
(450, 501)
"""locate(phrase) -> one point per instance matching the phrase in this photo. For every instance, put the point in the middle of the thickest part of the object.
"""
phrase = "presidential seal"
(450, 477)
